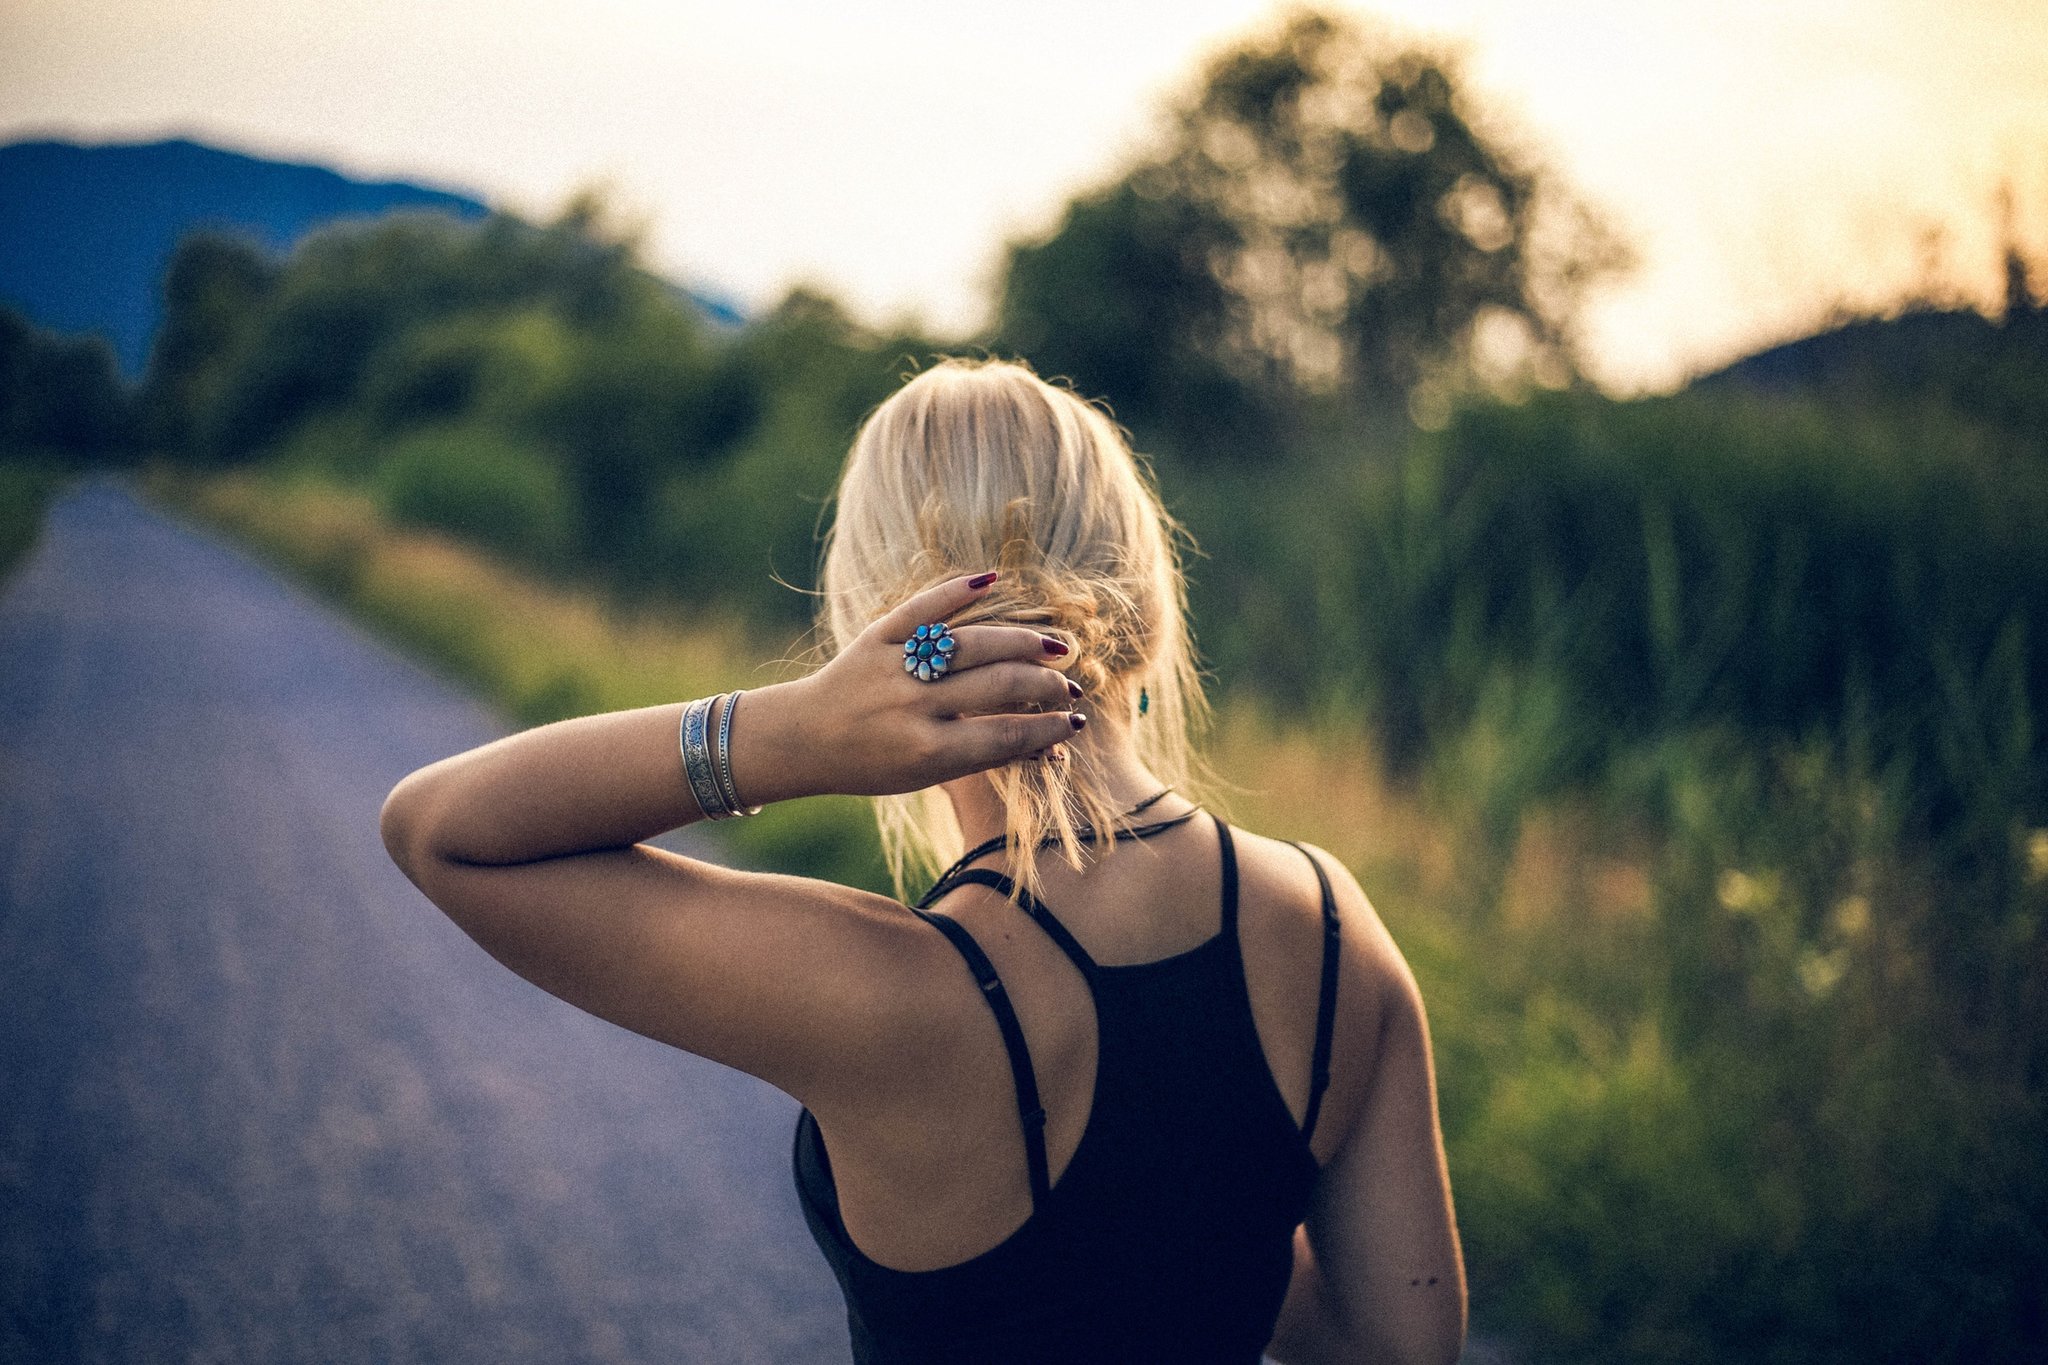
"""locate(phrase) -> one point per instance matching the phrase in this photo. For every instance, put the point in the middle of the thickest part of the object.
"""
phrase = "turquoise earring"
(1144, 702)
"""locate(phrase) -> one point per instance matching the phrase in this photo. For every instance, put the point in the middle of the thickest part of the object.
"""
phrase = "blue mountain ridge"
(86, 231)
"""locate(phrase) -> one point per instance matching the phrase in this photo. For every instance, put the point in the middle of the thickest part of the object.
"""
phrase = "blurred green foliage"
(1780, 639)
(25, 491)
(1785, 567)
(62, 412)
(1774, 1120)
(533, 388)
(1327, 223)
(61, 401)
(474, 482)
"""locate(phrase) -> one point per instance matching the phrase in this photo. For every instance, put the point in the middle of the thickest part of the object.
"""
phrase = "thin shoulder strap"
(1326, 1001)
(1001, 883)
(1229, 853)
(1031, 1114)
(1002, 841)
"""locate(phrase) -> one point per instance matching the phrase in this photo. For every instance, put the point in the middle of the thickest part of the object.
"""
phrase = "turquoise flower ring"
(928, 653)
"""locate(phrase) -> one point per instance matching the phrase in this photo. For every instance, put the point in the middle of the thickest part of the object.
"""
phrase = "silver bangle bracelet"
(729, 790)
(695, 740)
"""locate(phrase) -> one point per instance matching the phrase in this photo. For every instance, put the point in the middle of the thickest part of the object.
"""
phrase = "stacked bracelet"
(707, 759)
(722, 755)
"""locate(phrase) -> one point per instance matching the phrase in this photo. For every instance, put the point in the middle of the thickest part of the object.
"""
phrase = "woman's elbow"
(1443, 1345)
(1432, 1343)
(1331, 1345)
(1323, 1334)
(403, 825)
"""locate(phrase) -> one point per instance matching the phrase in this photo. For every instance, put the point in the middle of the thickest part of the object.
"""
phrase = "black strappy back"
(1169, 1235)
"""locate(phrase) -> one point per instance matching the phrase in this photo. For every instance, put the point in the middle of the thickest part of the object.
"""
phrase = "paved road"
(258, 1100)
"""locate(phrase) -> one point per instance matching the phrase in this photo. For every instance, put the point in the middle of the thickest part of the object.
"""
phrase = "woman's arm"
(603, 781)
(1308, 1332)
(529, 844)
(1378, 1274)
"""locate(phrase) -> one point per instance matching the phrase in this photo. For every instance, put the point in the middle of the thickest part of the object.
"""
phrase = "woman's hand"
(862, 726)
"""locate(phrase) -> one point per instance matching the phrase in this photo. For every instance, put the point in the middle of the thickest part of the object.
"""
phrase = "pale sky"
(1768, 159)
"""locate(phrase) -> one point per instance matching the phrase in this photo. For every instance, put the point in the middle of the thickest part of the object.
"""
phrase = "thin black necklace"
(1121, 836)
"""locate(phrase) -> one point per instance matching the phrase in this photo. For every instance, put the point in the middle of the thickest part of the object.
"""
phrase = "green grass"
(26, 490)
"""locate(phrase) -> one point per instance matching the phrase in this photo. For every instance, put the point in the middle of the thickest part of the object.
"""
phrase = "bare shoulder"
(860, 999)
(820, 989)
(1284, 874)
(1282, 928)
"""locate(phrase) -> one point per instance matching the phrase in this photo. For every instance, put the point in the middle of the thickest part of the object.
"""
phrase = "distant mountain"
(1994, 372)
(86, 231)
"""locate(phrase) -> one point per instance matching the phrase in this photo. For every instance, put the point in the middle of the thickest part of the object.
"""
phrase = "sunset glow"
(1769, 162)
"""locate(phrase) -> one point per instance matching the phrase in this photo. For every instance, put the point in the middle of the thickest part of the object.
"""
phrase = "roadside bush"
(475, 483)
(1760, 1118)
(25, 493)
(1778, 568)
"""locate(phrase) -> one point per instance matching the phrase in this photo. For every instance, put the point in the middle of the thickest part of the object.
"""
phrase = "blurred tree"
(1327, 215)
(60, 397)
(252, 349)
(786, 395)
(478, 483)
(213, 291)
(418, 355)
(1121, 300)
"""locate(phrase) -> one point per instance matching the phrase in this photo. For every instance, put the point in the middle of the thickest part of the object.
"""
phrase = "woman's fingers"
(986, 741)
(1003, 686)
(1007, 685)
(933, 604)
(990, 644)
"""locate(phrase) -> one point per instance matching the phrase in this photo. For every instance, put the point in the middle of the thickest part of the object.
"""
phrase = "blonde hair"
(981, 464)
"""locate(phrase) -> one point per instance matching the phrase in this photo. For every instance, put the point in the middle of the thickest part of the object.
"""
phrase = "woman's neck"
(979, 811)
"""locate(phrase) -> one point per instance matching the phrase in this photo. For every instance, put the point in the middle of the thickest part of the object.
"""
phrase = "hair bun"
(1091, 613)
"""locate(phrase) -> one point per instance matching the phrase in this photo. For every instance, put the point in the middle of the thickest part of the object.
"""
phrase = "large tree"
(1326, 214)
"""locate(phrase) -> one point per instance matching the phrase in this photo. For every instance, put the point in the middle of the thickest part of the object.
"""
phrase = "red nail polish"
(982, 580)
(1073, 689)
(1078, 719)
(1056, 648)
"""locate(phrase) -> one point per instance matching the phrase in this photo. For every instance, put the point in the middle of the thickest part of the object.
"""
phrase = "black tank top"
(1169, 1236)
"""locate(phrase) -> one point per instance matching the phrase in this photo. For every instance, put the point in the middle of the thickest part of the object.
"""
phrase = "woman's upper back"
(1112, 1160)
